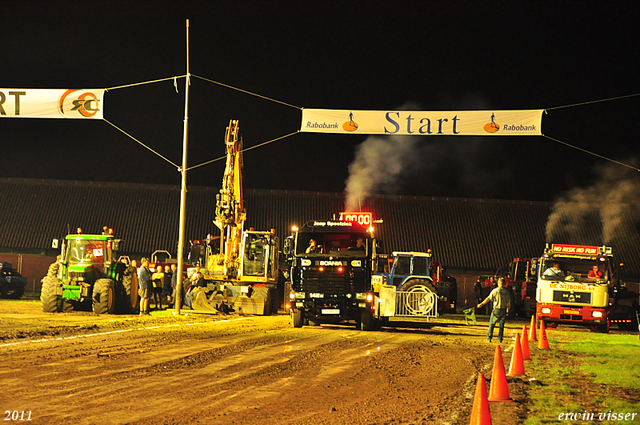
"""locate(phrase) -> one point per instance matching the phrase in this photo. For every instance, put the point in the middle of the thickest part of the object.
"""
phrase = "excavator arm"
(230, 212)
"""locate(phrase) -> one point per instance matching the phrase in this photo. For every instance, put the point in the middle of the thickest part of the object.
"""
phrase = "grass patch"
(619, 350)
(584, 373)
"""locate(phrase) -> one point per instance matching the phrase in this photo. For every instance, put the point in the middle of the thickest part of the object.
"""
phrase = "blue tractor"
(416, 272)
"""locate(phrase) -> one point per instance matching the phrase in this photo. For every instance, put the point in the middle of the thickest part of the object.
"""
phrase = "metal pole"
(183, 191)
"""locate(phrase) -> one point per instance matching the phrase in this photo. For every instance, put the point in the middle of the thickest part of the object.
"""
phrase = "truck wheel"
(51, 303)
(603, 329)
(103, 297)
(297, 318)
(13, 293)
(421, 297)
(367, 321)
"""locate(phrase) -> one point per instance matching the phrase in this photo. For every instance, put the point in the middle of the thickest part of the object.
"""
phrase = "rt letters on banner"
(424, 123)
(51, 103)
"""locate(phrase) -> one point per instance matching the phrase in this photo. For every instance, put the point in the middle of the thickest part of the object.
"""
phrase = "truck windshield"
(332, 244)
(82, 251)
(576, 270)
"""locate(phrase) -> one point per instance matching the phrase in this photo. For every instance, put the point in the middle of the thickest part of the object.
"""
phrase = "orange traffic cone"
(499, 390)
(543, 343)
(533, 336)
(526, 355)
(517, 364)
(480, 414)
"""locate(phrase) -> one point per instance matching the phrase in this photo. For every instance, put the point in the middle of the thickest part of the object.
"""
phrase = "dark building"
(468, 236)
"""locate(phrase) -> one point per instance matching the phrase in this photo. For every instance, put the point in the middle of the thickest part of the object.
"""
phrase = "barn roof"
(471, 234)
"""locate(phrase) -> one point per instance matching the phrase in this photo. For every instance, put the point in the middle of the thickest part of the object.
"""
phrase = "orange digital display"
(359, 218)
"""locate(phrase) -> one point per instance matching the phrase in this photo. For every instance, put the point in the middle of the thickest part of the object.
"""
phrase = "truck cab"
(573, 285)
(330, 269)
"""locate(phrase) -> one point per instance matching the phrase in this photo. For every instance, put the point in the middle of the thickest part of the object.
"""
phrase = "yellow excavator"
(242, 274)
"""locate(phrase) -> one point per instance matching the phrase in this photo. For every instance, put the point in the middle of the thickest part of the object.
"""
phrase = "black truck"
(12, 284)
(330, 269)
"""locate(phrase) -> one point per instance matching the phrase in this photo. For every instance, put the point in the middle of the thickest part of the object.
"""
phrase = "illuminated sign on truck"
(574, 249)
(360, 218)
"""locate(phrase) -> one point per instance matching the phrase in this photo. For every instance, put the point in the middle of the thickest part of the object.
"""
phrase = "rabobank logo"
(76, 102)
(513, 125)
(350, 125)
(492, 127)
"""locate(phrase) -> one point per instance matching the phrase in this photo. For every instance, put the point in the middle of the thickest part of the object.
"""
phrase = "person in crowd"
(194, 276)
(158, 281)
(501, 298)
(144, 286)
(174, 284)
(198, 283)
(477, 290)
(166, 285)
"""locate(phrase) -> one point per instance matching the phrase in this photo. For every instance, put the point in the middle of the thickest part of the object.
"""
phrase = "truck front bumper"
(571, 314)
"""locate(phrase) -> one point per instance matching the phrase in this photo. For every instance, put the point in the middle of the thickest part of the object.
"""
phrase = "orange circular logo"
(350, 126)
(491, 127)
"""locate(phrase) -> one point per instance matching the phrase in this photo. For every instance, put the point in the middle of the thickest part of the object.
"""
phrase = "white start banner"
(51, 103)
(424, 123)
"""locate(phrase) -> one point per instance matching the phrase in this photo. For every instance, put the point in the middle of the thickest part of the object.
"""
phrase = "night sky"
(378, 55)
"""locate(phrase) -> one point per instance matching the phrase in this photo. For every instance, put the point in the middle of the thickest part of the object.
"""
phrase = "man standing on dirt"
(501, 298)
(144, 279)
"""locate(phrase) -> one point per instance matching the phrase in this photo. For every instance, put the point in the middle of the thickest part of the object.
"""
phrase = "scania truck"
(331, 268)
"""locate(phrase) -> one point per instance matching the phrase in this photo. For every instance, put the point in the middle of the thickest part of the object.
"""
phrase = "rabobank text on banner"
(424, 123)
(51, 103)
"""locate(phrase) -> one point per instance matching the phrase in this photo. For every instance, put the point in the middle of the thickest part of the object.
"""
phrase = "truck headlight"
(596, 314)
(546, 310)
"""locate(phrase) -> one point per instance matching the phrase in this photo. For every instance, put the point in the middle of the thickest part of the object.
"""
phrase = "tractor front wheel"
(421, 297)
(103, 297)
(51, 302)
(130, 295)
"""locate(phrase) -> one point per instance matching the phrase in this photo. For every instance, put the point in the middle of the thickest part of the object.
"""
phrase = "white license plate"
(330, 311)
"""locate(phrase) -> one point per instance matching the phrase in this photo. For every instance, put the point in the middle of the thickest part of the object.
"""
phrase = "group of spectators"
(157, 284)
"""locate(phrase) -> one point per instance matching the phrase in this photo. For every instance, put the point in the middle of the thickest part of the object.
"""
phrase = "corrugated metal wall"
(464, 234)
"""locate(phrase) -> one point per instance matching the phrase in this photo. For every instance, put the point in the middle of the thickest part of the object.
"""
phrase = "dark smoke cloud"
(614, 198)
(428, 165)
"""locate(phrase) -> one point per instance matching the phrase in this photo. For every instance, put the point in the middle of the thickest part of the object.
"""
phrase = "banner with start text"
(424, 123)
(51, 103)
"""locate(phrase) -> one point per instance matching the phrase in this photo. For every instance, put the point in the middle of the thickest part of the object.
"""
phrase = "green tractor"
(90, 277)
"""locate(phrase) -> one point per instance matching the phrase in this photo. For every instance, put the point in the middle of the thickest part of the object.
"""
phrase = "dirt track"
(85, 369)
